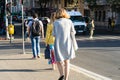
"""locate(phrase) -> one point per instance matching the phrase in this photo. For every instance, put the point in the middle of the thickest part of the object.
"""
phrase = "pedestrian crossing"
(98, 37)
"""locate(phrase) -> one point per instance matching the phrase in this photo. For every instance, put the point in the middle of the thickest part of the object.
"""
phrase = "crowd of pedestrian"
(59, 33)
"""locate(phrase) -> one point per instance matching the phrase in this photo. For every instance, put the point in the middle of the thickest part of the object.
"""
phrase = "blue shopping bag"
(47, 52)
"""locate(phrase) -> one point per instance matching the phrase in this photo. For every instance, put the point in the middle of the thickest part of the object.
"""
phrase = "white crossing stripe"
(88, 73)
(97, 37)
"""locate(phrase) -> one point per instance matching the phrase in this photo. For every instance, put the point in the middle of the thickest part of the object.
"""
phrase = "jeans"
(35, 46)
(25, 35)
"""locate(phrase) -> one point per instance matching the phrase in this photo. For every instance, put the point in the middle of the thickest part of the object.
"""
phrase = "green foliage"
(43, 1)
(113, 1)
(115, 5)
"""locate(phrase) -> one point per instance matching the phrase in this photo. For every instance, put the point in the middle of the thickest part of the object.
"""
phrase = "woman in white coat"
(64, 49)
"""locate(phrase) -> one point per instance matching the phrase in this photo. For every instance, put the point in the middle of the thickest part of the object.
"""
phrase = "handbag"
(47, 52)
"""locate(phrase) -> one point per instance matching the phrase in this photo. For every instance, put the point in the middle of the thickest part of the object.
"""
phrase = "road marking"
(98, 37)
(88, 73)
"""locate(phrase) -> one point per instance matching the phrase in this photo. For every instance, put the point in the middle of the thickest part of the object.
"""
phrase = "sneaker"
(91, 37)
(38, 56)
(34, 57)
(49, 61)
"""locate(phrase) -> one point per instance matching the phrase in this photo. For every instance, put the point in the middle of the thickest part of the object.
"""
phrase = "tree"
(114, 4)
(43, 6)
(91, 2)
(41, 2)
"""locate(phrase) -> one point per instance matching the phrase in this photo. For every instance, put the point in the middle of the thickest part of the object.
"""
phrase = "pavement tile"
(16, 66)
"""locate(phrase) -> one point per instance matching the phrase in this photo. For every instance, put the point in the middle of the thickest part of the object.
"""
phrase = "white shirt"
(30, 23)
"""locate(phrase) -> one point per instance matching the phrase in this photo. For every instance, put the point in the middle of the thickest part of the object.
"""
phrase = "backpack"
(35, 28)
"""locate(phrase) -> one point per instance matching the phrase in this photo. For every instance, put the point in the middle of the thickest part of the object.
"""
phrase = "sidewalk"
(16, 66)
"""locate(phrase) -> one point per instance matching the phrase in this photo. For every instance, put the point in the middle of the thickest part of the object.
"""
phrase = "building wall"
(102, 12)
(100, 15)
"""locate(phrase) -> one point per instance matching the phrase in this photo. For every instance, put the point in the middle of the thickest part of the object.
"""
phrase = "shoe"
(61, 78)
(38, 56)
(34, 57)
(91, 37)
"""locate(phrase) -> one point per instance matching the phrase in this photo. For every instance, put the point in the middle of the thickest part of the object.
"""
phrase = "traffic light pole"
(6, 21)
(11, 11)
(11, 19)
(23, 30)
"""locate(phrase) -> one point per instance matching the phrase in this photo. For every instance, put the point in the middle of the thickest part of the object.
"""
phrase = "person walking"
(109, 23)
(112, 24)
(35, 40)
(64, 49)
(49, 39)
(92, 28)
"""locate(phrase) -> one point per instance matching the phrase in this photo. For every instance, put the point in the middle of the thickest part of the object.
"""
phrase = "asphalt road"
(100, 55)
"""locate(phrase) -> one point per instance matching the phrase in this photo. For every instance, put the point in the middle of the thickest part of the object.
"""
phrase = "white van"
(78, 21)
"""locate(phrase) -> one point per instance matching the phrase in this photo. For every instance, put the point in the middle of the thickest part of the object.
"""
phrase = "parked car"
(78, 21)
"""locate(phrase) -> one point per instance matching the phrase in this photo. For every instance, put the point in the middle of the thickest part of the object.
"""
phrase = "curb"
(88, 73)
(2, 38)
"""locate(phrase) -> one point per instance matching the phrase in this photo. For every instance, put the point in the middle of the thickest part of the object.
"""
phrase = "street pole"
(23, 29)
(11, 11)
(11, 19)
(6, 22)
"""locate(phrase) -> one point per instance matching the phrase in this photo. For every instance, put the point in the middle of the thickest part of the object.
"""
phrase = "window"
(77, 18)
(99, 18)
(96, 14)
(103, 18)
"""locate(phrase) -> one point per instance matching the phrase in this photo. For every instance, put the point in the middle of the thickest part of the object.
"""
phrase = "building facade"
(102, 12)
(47, 6)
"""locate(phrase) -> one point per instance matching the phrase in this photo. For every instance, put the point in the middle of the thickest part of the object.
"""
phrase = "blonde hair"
(52, 17)
(61, 13)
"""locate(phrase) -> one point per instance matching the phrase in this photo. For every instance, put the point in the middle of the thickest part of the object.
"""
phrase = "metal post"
(11, 19)
(11, 11)
(23, 30)
(6, 22)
